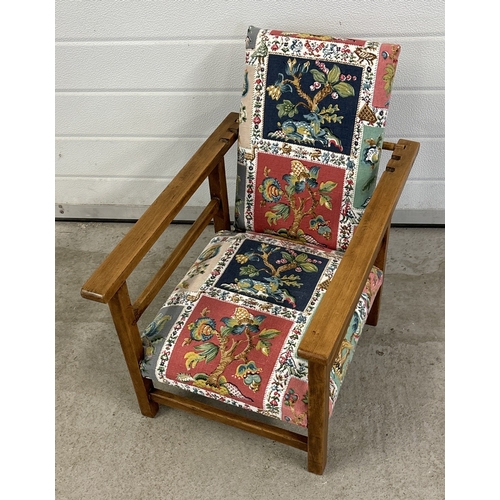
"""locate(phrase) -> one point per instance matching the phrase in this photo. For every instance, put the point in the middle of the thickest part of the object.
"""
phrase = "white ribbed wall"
(141, 83)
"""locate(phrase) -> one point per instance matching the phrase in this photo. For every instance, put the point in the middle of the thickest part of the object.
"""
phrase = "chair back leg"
(218, 189)
(380, 261)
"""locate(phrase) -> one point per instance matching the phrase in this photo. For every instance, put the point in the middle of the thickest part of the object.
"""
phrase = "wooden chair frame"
(321, 343)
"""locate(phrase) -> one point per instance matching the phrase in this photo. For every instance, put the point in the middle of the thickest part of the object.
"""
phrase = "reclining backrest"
(312, 120)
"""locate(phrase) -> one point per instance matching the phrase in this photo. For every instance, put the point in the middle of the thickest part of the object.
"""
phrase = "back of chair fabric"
(312, 120)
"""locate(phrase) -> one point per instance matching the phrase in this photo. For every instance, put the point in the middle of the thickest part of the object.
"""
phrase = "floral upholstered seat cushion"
(312, 121)
(232, 327)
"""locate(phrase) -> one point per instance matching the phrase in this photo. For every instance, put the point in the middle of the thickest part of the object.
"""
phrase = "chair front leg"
(317, 417)
(130, 340)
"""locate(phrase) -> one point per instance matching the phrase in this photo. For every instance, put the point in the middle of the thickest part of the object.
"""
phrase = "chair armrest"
(115, 269)
(329, 324)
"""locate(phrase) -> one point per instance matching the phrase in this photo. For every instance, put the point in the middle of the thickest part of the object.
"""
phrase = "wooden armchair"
(268, 316)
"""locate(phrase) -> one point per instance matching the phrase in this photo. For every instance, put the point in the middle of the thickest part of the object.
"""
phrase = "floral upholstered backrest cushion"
(312, 120)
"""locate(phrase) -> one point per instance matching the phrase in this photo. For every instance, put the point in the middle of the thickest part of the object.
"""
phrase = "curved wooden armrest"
(115, 269)
(329, 324)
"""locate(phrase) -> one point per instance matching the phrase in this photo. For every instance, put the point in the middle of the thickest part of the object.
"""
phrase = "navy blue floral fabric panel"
(272, 273)
(311, 102)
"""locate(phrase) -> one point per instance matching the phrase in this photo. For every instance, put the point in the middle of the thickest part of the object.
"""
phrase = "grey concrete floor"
(386, 437)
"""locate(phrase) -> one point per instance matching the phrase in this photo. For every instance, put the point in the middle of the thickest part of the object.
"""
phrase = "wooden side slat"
(179, 252)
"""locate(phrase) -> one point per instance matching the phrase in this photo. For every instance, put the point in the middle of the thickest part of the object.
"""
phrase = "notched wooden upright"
(328, 327)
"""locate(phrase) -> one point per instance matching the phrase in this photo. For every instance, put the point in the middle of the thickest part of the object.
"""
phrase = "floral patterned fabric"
(312, 120)
(231, 328)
